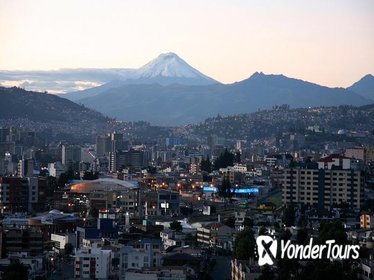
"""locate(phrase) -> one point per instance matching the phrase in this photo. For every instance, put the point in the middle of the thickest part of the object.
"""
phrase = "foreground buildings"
(332, 181)
(134, 209)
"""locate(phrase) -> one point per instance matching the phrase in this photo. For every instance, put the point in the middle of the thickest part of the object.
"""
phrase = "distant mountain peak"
(170, 65)
(168, 55)
(367, 76)
(256, 75)
(364, 87)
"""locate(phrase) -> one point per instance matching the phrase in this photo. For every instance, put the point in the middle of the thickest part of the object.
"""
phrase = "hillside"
(42, 111)
(44, 107)
(266, 123)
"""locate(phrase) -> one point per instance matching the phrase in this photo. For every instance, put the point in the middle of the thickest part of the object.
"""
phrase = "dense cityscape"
(186, 140)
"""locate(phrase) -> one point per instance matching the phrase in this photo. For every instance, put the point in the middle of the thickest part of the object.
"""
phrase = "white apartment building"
(55, 169)
(92, 263)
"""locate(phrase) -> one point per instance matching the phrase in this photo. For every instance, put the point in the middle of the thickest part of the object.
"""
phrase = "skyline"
(325, 43)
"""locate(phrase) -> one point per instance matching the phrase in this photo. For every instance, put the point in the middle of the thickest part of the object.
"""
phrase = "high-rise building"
(122, 159)
(117, 142)
(4, 134)
(22, 194)
(109, 144)
(329, 182)
(25, 168)
(70, 153)
(55, 169)
(103, 145)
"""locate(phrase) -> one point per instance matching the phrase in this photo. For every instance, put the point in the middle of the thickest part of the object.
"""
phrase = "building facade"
(324, 185)
(92, 263)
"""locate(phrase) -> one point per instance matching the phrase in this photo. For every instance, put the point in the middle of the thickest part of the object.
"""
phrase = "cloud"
(64, 80)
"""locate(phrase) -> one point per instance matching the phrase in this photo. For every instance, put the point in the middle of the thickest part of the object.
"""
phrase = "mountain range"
(168, 91)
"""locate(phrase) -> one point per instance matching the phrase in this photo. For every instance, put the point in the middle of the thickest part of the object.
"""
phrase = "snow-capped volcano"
(166, 69)
(170, 68)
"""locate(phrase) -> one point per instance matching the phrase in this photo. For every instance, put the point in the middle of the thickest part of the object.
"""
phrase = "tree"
(244, 246)
(248, 222)
(262, 231)
(266, 273)
(151, 170)
(15, 270)
(325, 269)
(237, 157)
(224, 160)
(332, 230)
(66, 177)
(62, 180)
(175, 225)
(68, 248)
(302, 236)
(230, 221)
(289, 215)
(224, 190)
(94, 212)
(51, 185)
(89, 175)
(206, 165)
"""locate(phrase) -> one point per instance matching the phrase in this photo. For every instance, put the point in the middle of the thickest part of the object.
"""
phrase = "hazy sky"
(330, 42)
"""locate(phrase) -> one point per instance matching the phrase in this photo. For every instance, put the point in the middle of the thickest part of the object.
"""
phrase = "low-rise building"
(367, 220)
(141, 254)
(174, 238)
(159, 273)
(367, 267)
(60, 240)
(242, 270)
(216, 235)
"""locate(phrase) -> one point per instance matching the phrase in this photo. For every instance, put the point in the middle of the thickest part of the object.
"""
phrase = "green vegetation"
(224, 160)
(175, 225)
(206, 165)
(15, 270)
(224, 190)
(244, 246)
(289, 215)
(68, 248)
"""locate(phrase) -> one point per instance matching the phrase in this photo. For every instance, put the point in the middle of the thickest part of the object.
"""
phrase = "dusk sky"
(327, 42)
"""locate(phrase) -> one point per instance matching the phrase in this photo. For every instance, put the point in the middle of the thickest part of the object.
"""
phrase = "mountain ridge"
(184, 104)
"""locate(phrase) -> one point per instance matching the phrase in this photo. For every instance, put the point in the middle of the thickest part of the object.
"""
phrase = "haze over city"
(327, 42)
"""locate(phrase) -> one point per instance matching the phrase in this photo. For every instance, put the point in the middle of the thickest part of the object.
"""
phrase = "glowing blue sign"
(239, 191)
(209, 189)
